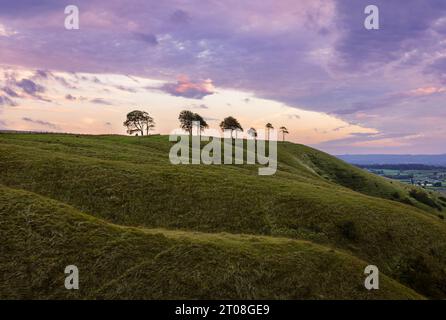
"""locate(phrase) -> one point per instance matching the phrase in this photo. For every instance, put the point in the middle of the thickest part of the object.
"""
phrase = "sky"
(311, 66)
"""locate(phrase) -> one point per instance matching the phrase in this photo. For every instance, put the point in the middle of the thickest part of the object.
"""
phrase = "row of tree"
(141, 122)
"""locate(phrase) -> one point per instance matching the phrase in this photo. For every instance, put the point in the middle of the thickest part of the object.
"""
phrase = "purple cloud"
(42, 74)
(40, 123)
(30, 87)
(402, 27)
(6, 101)
(10, 92)
(180, 17)
(101, 101)
(438, 69)
(147, 38)
(127, 89)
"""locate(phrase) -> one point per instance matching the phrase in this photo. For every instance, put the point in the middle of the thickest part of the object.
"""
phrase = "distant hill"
(140, 227)
(364, 159)
(406, 166)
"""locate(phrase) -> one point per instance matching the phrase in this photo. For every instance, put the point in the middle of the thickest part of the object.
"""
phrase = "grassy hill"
(144, 228)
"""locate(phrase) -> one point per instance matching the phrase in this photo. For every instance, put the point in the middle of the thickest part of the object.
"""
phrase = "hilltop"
(144, 228)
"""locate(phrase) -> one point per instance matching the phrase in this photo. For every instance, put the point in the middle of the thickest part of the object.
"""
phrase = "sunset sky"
(308, 65)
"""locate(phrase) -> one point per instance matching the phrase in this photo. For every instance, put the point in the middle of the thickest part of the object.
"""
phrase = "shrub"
(421, 274)
(395, 195)
(348, 230)
(423, 197)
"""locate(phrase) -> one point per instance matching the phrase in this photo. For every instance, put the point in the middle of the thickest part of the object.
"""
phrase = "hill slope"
(314, 198)
(41, 236)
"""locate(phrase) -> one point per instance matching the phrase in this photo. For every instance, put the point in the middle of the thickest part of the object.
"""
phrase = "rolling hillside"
(144, 228)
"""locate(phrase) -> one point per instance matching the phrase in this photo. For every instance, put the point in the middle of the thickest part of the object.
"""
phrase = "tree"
(268, 126)
(230, 123)
(203, 123)
(150, 125)
(253, 133)
(139, 121)
(284, 131)
(187, 119)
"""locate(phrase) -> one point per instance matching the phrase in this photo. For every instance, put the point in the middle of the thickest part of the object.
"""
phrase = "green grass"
(41, 236)
(314, 214)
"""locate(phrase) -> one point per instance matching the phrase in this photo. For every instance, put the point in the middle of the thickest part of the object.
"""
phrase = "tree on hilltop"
(139, 122)
(187, 119)
(268, 127)
(230, 123)
(284, 131)
(253, 133)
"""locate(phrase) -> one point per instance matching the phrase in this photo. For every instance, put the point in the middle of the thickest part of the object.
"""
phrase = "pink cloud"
(426, 91)
(190, 89)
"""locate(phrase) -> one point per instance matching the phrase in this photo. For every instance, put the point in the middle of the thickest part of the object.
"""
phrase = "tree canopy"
(252, 132)
(230, 123)
(187, 119)
(268, 126)
(139, 122)
(284, 131)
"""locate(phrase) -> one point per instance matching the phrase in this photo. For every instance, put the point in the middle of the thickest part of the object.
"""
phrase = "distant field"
(141, 227)
(395, 159)
(428, 177)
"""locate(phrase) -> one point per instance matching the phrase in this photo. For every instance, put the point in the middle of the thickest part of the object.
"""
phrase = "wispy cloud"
(147, 38)
(40, 123)
(426, 91)
(10, 92)
(23, 87)
(124, 88)
(6, 101)
(101, 101)
(30, 87)
(293, 116)
(197, 106)
(6, 32)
